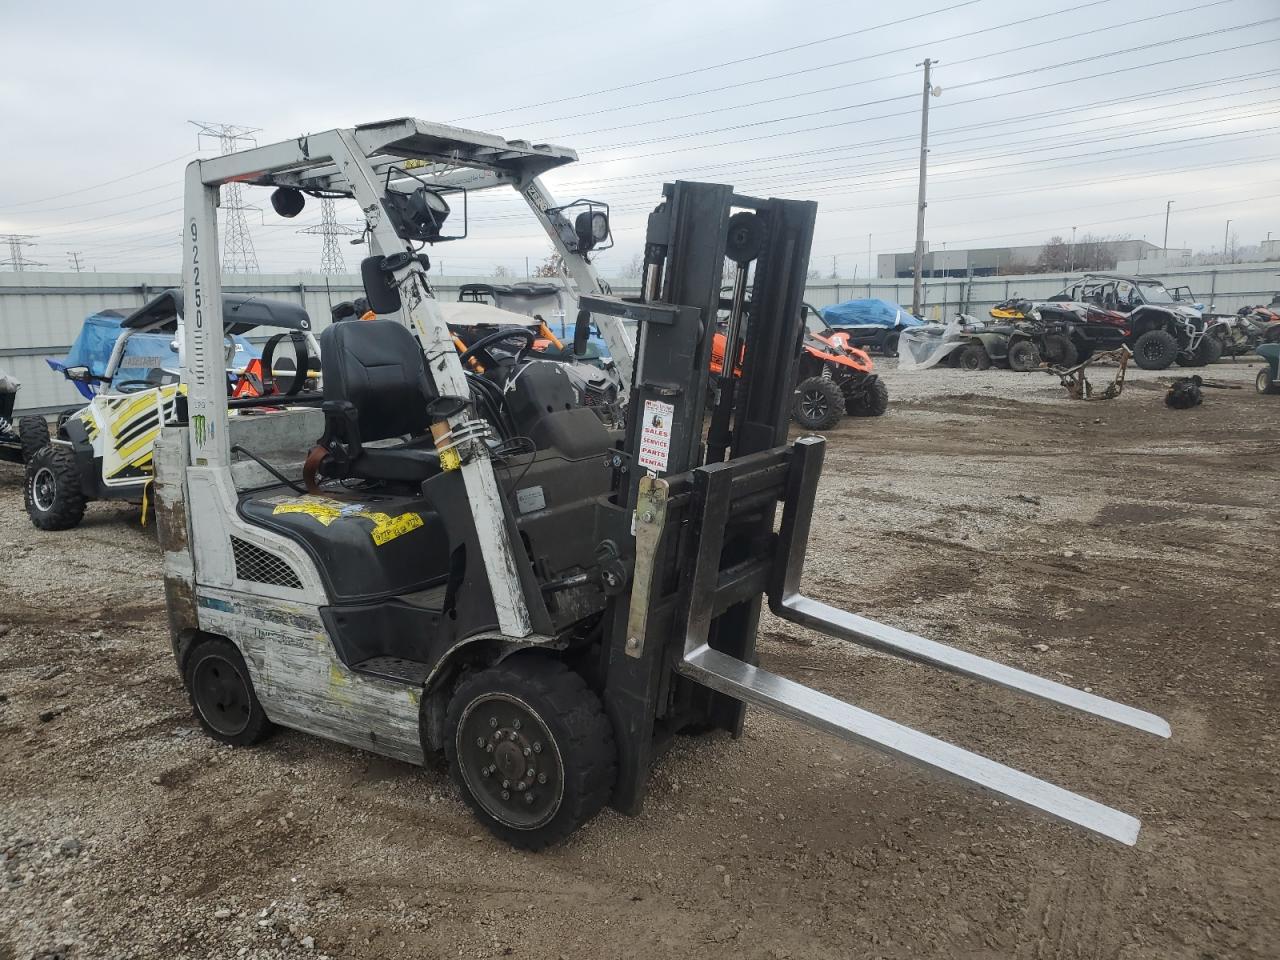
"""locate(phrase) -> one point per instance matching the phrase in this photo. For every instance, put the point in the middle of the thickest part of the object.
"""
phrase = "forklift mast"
(720, 507)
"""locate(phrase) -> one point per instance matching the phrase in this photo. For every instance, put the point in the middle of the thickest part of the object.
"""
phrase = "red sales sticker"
(655, 435)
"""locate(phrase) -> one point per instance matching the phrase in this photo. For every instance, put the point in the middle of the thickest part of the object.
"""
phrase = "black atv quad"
(19, 443)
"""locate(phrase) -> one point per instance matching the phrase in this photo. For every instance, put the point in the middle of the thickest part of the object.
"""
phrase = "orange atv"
(834, 378)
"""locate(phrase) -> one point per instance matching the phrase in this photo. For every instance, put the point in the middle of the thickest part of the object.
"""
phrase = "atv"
(834, 378)
(1247, 329)
(1269, 376)
(1157, 327)
(975, 345)
(19, 443)
(103, 451)
(1054, 333)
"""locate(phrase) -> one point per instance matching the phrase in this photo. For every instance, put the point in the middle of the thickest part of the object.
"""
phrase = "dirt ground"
(1120, 546)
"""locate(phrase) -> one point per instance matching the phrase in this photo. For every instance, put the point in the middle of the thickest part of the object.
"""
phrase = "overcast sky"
(1052, 114)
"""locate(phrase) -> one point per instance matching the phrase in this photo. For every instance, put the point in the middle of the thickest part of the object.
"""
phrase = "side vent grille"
(257, 565)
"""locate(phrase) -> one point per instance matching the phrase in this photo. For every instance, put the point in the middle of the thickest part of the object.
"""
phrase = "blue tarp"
(142, 353)
(868, 313)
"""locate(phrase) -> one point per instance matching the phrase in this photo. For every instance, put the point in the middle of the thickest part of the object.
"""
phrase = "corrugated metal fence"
(41, 313)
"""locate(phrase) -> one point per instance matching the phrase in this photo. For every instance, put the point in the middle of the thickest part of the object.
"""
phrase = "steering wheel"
(480, 349)
(134, 386)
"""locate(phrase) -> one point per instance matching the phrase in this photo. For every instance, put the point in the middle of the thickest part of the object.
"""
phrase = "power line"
(728, 63)
(953, 104)
(16, 259)
(971, 83)
(104, 183)
(863, 59)
(647, 177)
(238, 255)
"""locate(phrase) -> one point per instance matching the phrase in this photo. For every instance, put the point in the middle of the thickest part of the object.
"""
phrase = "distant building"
(992, 261)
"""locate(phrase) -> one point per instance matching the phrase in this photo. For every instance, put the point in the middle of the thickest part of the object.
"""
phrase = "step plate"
(731, 676)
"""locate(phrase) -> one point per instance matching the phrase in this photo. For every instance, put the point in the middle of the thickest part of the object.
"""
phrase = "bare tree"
(552, 266)
(634, 269)
(500, 272)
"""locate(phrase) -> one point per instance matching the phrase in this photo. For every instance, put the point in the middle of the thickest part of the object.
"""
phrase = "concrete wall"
(41, 313)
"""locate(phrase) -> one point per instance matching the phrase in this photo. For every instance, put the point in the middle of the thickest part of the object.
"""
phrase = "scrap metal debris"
(1078, 385)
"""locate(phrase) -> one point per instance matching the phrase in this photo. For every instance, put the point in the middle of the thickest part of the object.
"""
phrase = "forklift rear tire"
(872, 402)
(54, 499)
(819, 404)
(222, 694)
(33, 432)
(532, 750)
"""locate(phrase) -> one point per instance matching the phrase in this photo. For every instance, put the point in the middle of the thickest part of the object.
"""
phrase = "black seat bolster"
(397, 464)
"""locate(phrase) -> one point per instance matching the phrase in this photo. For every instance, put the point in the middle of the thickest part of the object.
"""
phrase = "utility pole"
(1167, 207)
(1072, 268)
(331, 260)
(238, 255)
(16, 242)
(74, 256)
(870, 274)
(924, 168)
(1225, 233)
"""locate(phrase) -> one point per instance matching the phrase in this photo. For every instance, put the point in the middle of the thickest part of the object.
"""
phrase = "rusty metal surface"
(1077, 383)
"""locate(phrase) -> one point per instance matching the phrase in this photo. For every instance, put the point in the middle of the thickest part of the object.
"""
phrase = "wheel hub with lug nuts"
(43, 489)
(509, 761)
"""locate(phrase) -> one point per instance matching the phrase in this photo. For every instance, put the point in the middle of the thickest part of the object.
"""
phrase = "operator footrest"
(394, 668)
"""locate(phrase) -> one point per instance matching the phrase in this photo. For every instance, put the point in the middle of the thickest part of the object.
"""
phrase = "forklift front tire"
(532, 750)
(54, 499)
(222, 694)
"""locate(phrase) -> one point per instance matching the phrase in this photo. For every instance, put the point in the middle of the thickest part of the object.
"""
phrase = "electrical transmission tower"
(16, 260)
(238, 255)
(331, 258)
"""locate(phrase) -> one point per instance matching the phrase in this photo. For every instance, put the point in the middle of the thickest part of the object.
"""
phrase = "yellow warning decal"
(385, 527)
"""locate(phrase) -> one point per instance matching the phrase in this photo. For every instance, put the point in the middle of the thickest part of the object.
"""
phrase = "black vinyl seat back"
(378, 367)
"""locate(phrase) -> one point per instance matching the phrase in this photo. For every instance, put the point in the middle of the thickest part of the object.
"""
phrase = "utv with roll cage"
(104, 450)
(442, 560)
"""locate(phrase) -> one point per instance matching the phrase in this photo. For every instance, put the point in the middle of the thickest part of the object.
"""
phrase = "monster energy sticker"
(325, 511)
(203, 429)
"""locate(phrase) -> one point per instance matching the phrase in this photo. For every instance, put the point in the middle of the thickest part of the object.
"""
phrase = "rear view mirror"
(581, 333)
(380, 287)
(77, 373)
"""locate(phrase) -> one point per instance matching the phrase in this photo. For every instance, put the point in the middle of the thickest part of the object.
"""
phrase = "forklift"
(428, 559)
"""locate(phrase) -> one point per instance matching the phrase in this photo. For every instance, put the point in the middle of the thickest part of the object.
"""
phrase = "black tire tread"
(1023, 356)
(69, 503)
(1059, 350)
(835, 405)
(259, 727)
(1171, 347)
(982, 359)
(33, 434)
(872, 402)
(588, 740)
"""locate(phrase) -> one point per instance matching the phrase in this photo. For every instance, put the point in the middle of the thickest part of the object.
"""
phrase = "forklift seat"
(376, 388)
